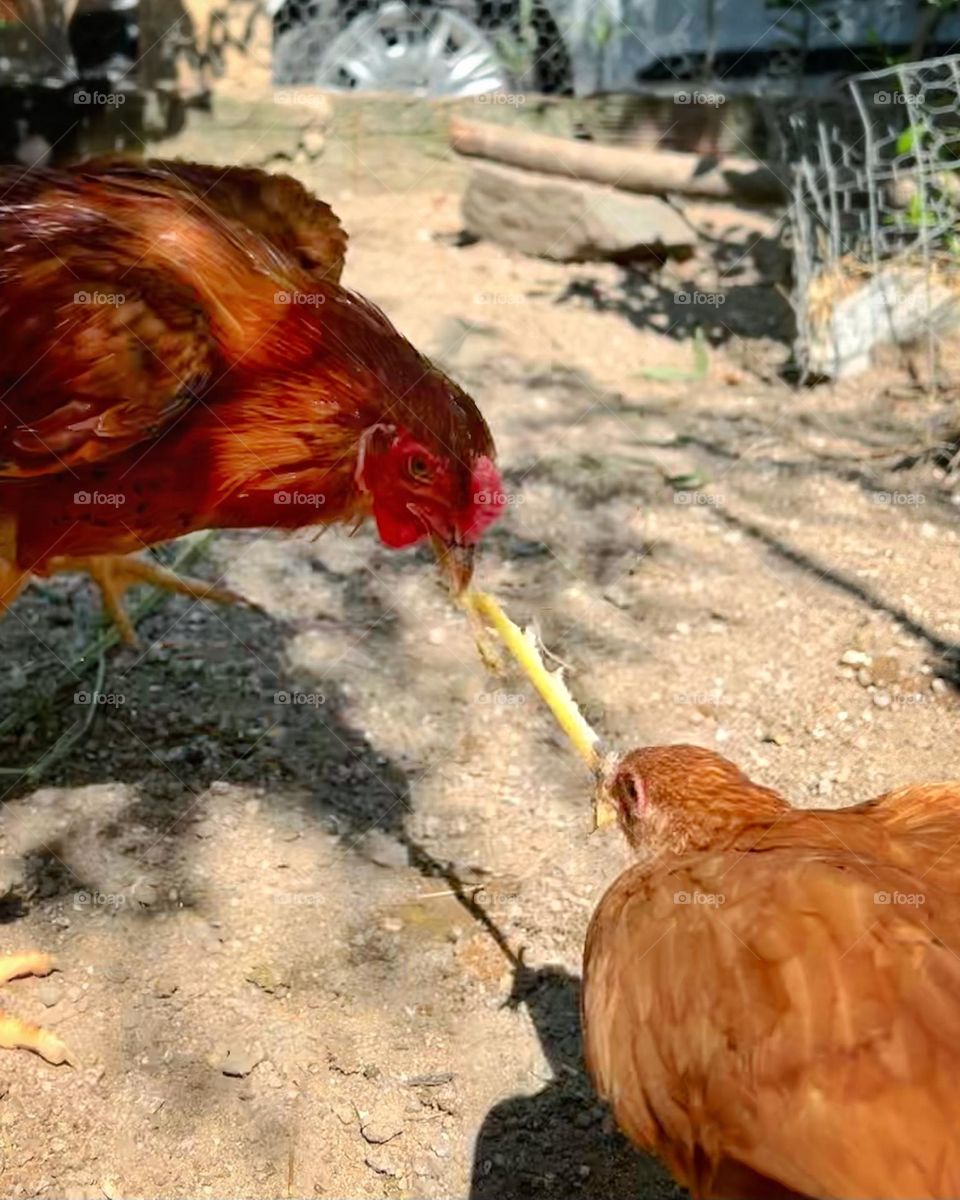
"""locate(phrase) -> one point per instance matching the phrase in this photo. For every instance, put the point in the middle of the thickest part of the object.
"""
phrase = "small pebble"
(268, 978)
(49, 993)
(239, 1060)
(380, 1131)
(379, 1162)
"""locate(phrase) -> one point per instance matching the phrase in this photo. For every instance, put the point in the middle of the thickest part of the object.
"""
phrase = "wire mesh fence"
(874, 215)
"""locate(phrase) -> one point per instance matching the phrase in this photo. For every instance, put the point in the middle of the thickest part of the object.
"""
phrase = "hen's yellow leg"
(115, 573)
(18, 1035)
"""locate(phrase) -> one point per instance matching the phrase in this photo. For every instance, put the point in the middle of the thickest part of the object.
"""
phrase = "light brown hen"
(771, 996)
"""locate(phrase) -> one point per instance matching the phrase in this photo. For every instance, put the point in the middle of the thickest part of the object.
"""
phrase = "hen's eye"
(630, 793)
(419, 468)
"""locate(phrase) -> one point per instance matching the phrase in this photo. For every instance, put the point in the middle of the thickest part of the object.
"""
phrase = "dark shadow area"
(724, 311)
(211, 699)
(847, 469)
(560, 1141)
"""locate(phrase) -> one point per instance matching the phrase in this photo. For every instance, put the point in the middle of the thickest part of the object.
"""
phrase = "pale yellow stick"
(549, 684)
(554, 691)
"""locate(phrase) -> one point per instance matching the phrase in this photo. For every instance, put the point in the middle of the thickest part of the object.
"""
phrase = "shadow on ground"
(528, 1143)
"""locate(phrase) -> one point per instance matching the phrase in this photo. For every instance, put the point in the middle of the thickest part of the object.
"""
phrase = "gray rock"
(569, 221)
(857, 312)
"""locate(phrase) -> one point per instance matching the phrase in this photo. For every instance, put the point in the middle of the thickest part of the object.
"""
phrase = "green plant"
(701, 364)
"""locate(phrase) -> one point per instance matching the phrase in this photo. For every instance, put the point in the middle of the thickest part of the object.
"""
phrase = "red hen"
(179, 355)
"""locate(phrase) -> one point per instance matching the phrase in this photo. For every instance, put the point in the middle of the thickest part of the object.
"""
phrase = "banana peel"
(483, 608)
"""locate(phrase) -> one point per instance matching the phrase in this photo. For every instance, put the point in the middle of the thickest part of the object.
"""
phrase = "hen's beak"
(456, 563)
(604, 809)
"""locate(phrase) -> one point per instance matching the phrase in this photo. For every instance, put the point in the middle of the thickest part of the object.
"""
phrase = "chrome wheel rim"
(435, 52)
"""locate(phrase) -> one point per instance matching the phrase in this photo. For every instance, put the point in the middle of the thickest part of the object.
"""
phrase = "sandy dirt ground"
(316, 883)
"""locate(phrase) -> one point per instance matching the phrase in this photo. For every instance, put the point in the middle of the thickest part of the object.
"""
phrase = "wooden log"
(632, 170)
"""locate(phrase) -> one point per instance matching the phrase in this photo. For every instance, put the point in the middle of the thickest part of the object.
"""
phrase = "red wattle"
(397, 529)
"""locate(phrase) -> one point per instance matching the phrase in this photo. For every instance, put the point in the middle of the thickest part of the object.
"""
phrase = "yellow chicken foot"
(15, 1034)
(115, 573)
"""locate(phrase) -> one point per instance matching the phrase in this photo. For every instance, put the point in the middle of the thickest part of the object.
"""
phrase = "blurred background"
(847, 109)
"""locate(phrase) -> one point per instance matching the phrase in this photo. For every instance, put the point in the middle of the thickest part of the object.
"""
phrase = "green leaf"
(907, 140)
(701, 364)
(689, 482)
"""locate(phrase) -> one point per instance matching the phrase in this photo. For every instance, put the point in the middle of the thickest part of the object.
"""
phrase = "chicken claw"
(115, 573)
(15, 1034)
